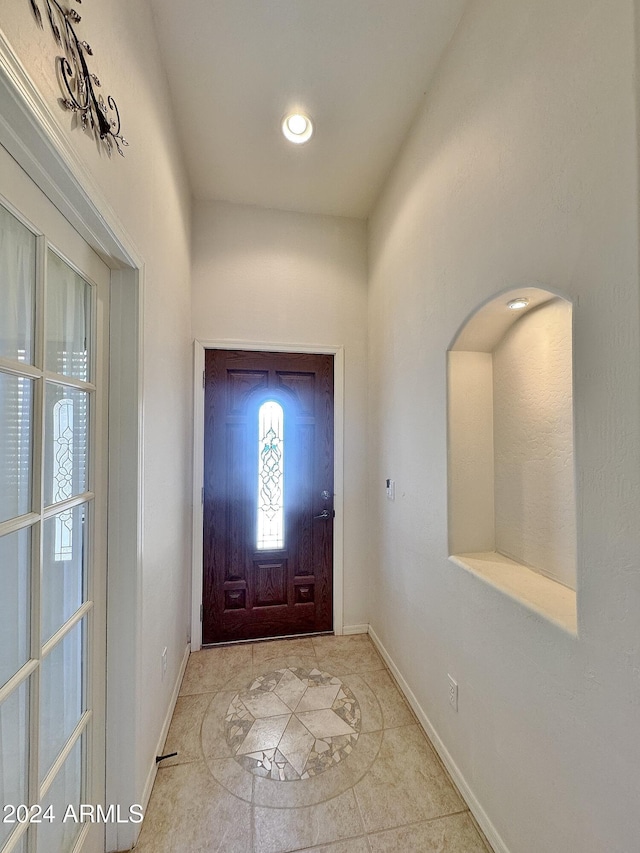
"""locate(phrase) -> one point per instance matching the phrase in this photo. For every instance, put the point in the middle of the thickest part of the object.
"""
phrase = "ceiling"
(360, 68)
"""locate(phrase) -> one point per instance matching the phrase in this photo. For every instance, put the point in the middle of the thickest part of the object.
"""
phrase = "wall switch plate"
(164, 662)
(391, 490)
(453, 692)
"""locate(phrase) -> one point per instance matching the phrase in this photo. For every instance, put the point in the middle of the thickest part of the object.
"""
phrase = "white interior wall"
(533, 439)
(267, 276)
(147, 193)
(521, 168)
(470, 449)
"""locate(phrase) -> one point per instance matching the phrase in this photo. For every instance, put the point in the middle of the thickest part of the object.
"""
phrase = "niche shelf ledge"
(542, 595)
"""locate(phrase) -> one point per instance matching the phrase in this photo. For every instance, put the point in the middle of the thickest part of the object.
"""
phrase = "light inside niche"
(518, 304)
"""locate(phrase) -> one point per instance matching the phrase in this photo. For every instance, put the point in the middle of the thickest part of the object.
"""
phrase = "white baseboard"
(153, 770)
(476, 809)
(355, 629)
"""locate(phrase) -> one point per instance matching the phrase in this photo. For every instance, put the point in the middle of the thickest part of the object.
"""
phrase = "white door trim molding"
(31, 133)
(337, 351)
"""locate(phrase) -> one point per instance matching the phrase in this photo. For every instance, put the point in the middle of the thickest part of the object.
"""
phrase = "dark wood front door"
(268, 495)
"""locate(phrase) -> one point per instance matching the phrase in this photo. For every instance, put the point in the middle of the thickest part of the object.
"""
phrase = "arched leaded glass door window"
(270, 497)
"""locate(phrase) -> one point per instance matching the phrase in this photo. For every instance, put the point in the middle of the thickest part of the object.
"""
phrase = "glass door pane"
(16, 430)
(17, 283)
(66, 443)
(60, 836)
(63, 581)
(15, 601)
(68, 320)
(61, 696)
(14, 727)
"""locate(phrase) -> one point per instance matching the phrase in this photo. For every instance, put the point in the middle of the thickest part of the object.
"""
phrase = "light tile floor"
(302, 744)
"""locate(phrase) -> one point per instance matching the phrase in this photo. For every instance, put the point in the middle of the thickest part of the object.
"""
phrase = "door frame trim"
(337, 350)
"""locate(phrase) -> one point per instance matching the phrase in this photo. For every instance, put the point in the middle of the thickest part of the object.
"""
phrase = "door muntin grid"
(47, 537)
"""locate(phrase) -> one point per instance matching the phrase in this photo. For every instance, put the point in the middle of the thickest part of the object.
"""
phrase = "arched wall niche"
(512, 508)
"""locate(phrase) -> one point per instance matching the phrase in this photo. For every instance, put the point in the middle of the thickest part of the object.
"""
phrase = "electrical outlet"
(391, 490)
(164, 662)
(453, 692)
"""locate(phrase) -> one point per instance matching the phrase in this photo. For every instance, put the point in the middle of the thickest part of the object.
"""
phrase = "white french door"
(53, 391)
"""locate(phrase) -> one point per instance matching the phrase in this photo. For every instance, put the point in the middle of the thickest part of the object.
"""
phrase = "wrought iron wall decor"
(78, 84)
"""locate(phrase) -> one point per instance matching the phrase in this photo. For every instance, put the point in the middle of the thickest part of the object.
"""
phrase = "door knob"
(326, 513)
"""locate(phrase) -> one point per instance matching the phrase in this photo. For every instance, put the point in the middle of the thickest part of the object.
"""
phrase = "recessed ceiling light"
(518, 304)
(297, 127)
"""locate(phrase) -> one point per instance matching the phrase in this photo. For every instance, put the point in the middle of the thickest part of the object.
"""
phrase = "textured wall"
(520, 169)
(533, 439)
(269, 276)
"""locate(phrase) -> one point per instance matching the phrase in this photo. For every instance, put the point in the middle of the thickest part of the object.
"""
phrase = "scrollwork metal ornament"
(78, 84)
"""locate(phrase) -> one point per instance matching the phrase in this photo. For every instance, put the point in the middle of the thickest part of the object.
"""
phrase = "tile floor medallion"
(292, 724)
(301, 744)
